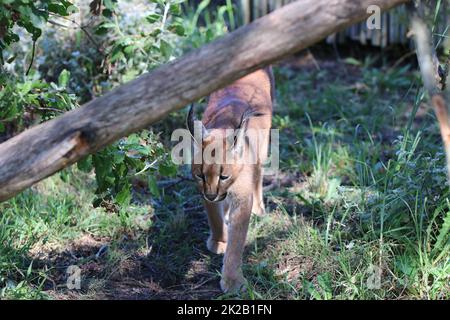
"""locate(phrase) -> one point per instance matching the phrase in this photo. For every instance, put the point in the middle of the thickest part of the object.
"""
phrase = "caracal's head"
(217, 158)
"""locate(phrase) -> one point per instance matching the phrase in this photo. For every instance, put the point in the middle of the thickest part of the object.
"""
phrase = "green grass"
(364, 214)
(46, 220)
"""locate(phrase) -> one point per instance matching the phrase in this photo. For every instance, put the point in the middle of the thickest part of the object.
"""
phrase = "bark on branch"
(45, 149)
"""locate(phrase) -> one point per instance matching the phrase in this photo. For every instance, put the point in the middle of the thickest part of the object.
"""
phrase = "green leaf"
(109, 4)
(166, 49)
(26, 87)
(64, 176)
(58, 8)
(124, 196)
(168, 170)
(353, 62)
(154, 17)
(117, 54)
(155, 33)
(178, 29)
(175, 9)
(130, 49)
(153, 187)
(444, 233)
(11, 59)
(30, 269)
(63, 78)
(118, 157)
(85, 164)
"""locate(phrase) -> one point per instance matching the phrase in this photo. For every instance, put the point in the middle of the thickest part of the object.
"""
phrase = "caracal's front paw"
(217, 247)
(233, 283)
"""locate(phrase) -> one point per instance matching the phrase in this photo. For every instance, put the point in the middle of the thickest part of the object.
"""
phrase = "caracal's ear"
(192, 124)
(239, 138)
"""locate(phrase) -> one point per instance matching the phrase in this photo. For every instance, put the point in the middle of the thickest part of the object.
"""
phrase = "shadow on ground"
(169, 261)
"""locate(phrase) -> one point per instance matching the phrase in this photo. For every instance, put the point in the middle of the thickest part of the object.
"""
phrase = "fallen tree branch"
(429, 69)
(49, 147)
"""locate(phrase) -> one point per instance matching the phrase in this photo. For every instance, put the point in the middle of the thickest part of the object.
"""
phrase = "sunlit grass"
(367, 215)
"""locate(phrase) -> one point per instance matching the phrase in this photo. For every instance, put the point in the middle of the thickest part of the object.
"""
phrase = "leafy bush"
(31, 15)
(117, 44)
(22, 103)
(205, 24)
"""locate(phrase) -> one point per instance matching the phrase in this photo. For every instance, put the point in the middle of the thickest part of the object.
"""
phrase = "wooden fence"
(394, 24)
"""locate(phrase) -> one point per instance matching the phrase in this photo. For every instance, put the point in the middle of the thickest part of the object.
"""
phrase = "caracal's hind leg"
(218, 237)
(258, 207)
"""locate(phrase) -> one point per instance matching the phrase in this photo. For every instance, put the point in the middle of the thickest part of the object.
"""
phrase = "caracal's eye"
(200, 176)
(223, 177)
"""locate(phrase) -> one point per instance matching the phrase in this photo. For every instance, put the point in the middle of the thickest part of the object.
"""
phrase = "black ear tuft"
(190, 120)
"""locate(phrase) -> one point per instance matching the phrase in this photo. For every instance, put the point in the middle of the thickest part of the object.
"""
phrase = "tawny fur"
(234, 198)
